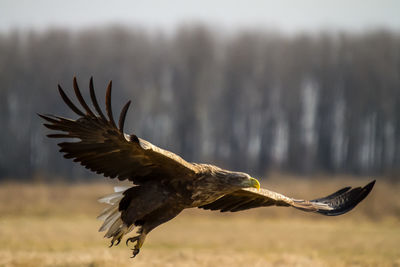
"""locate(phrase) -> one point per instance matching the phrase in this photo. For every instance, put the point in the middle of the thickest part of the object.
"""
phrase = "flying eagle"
(164, 184)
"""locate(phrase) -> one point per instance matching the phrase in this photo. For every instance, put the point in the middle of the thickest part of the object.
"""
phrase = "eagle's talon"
(139, 242)
(132, 239)
(135, 252)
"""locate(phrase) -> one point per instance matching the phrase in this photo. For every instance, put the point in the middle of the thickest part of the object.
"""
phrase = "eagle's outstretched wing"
(337, 203)
(105, 149)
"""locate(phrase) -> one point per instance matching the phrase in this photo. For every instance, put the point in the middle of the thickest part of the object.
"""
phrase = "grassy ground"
(55, 225)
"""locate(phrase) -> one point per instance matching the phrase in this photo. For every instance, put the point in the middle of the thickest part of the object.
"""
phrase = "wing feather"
(69, 102)
(94, 100)
(105, 149)
(108, 105)
(80, 98)
(337, 203)
(122, 117)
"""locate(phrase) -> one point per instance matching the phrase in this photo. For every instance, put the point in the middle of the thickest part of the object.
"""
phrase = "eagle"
(163, 183)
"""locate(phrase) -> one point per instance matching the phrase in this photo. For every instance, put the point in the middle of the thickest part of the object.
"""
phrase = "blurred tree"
(251, 101)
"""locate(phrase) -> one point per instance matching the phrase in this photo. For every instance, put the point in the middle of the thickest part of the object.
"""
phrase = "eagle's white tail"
(112, 216)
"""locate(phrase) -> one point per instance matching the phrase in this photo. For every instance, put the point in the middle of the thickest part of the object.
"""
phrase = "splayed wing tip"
(369, 186)
(346, 201)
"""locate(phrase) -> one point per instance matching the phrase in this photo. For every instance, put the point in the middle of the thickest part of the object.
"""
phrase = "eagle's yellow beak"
(255, 183)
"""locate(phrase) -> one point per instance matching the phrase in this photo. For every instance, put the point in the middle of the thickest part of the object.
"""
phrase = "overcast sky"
(287, 15)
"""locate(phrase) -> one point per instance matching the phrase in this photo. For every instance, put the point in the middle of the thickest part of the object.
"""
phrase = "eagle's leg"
(139, 239)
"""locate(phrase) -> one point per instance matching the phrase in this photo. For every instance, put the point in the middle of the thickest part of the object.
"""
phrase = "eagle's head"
(238, 179)
(244, 180)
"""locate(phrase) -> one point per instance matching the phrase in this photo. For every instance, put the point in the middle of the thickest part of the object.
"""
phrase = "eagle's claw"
(139, 242)
(132, 239)
(115, 239)
(136, 248)
(135, 252)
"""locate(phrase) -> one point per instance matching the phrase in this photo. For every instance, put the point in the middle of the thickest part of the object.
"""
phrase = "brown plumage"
(164, 183)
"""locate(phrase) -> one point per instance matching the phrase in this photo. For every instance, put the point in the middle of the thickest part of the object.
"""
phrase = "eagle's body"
(164, 183)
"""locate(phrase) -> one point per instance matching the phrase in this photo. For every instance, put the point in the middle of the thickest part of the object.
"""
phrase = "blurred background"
(305, 94)
(259, 86)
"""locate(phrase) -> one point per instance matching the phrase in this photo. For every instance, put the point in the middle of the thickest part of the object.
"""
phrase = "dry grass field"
(55, 225)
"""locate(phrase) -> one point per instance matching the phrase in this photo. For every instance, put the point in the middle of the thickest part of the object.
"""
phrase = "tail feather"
(120, 188)
(113, 198)
(116, 225)
(106, 213)
(110, 220)
(111, 216)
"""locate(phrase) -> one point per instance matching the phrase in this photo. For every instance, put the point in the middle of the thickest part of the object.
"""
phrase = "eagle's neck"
(211, 184)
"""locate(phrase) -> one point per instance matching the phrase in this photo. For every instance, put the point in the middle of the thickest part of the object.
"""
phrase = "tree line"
(252, 101)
